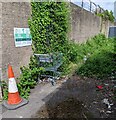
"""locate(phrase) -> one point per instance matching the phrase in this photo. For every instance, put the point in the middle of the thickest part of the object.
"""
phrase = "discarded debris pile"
(107, 89)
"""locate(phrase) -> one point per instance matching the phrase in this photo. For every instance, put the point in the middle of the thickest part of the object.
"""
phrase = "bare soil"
(78, 98)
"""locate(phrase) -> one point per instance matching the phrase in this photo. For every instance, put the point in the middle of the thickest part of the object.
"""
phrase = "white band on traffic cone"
(12, 88)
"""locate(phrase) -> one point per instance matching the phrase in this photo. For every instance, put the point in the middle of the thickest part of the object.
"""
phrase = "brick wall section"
(14, 14)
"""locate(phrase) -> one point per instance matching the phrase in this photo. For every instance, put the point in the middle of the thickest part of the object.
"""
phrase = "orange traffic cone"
(14, 99)
(13, 94)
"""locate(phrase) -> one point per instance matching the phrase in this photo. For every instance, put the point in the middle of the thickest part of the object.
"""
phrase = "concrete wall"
(115, 23)
(0, 38)
(105, 27)
(85, 24)
(14, 14)
(0, 48)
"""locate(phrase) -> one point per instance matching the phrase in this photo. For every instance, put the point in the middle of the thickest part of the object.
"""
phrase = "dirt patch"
(69, 108)
(76, 98)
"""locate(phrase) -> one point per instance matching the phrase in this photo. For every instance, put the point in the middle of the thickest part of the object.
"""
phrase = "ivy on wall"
(48, 25)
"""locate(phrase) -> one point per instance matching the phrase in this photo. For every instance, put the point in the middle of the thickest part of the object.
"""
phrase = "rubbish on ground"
(112, 77)
(57, 78)
(107, 103)
(99, 87)
(109, 107)
(95, 102)
(102, 111)
(113, 80)
(52, 81)
(40, 81)
(111, 104)
(20, 116)
(106, 84)
(64, 81)
(85, 58)
(108, 112)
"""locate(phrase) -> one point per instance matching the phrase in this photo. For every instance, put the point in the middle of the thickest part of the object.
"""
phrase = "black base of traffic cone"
(13, 107)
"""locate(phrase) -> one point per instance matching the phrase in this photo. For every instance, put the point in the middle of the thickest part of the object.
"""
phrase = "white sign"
(22, 37)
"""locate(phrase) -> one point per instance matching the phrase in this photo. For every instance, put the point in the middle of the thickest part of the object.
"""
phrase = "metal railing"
(89, 6)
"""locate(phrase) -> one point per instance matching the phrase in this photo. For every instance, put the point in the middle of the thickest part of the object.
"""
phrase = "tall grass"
(95, 58)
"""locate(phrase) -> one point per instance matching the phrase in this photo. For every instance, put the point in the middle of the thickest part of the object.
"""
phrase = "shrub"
(100, 63)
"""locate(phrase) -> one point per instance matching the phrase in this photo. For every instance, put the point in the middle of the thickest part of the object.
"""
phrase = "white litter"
(20, 116)
(85, 58)
(107, 103)
(108, 112)
(106, 84)
(40, 81)
(64, 81)
(50, 79)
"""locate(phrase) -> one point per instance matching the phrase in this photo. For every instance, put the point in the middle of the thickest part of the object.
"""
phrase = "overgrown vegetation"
(49, 26)
(4, 87)
(99, 57)
(107, 15)
(27, 80)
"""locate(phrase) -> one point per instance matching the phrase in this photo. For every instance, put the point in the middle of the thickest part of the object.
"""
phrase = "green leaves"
(107, 15)
(28, 78)
(48, 26)
(5, 89)
(99, 63)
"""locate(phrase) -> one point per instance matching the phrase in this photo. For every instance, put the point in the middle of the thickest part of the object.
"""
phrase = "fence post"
(82, 4)
(95, 8)
(90, 6)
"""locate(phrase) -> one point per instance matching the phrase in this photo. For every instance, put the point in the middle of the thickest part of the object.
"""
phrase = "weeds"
(99, 52)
